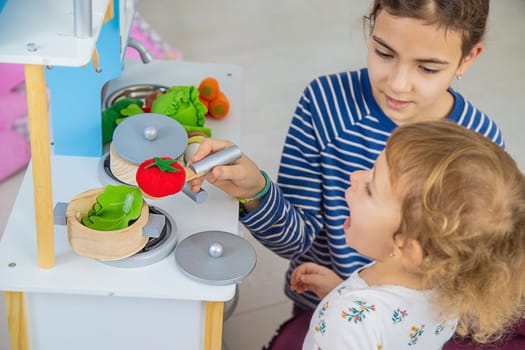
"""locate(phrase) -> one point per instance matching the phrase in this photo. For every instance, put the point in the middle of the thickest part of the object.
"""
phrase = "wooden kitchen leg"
(110, 12)
(16, 321)
(41, 163)
(213, 325)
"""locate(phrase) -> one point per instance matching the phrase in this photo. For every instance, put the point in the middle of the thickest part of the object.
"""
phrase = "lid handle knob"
(151, 133)
(215, 249)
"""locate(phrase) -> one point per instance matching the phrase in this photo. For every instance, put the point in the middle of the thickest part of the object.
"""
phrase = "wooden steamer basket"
(103, 245)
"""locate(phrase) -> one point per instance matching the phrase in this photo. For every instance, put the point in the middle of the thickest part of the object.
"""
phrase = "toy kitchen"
(162, 281)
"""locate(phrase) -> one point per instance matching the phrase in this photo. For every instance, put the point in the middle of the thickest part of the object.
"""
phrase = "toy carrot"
(219, 106)
(209, 88)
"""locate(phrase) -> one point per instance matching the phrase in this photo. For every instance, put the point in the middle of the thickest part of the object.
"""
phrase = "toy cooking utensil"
(215, 257)
(158, 177)
(204, 166)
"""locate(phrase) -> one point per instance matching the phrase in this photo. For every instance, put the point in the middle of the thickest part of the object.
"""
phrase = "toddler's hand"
(314, 277)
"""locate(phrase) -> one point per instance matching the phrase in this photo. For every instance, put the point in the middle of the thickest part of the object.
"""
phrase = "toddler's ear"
(410, 250)
(414, 252)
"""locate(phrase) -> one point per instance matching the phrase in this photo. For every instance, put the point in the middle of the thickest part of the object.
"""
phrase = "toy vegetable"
(115, 208)
(216, 101)
(209, 88)
(219, 106)
(113, 115)
(204, 102)
(160, 177)
(182, 104)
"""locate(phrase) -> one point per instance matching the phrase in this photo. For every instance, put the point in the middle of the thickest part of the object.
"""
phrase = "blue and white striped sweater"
(337, 128)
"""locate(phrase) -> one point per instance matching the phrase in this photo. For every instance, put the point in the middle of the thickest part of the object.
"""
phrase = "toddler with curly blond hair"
(442, 215)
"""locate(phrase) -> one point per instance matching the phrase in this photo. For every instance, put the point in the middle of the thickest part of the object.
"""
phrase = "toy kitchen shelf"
(42, 32)
(81, 303)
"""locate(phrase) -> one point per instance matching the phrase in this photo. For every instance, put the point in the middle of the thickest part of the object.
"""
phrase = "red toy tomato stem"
(164, 165)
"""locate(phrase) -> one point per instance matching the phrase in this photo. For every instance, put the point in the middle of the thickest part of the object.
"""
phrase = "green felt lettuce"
(182, 104)
(115, 208)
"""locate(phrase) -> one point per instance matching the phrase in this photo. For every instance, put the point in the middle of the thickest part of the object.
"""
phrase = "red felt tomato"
(160, 177)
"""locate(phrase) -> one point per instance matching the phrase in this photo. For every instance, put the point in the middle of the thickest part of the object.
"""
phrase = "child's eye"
(382, 54)
(429, 70)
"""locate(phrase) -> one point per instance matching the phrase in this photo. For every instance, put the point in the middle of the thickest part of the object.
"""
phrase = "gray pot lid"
(148, 135)
(215, 257)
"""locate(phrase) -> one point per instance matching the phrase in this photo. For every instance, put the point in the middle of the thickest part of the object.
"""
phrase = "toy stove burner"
(154, 242)
(156, 249)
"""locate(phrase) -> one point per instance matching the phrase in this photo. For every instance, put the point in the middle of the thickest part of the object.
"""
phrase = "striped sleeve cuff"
(266, 214)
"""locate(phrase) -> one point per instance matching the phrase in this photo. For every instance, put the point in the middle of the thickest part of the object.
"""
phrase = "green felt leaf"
(95, 209)
(132, 109)
(182, 104)
(115, 208)
(111, 116)
(165, 165)
(102, 223)
(204, 130)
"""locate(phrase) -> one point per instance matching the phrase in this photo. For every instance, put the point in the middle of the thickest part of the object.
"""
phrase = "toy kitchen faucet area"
(65, 288)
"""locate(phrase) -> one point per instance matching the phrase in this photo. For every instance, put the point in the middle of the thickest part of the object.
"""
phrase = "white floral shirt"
(357, 316)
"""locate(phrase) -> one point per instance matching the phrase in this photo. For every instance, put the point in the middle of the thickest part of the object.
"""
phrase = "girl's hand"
(240, 179)
(314, 277)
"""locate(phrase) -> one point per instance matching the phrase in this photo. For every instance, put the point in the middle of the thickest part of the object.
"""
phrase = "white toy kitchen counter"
(82, 303)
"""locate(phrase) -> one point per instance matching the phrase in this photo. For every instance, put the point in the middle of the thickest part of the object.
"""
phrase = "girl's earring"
(392, 254)
(459, 76)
